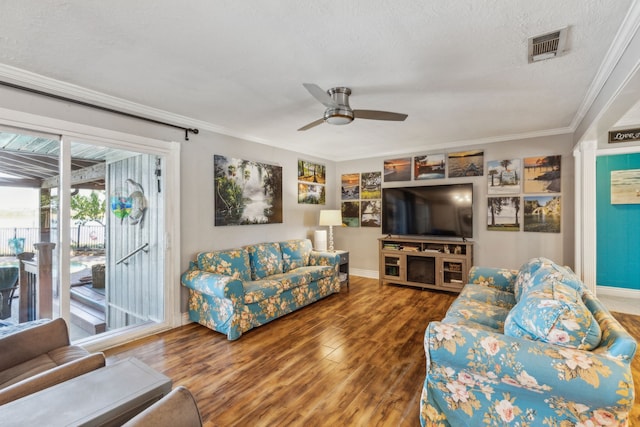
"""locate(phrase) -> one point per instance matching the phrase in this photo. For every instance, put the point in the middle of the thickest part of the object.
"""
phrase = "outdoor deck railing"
(35, 282)
(82, 237)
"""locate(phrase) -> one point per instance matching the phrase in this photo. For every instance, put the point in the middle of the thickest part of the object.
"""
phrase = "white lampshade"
(330, 217)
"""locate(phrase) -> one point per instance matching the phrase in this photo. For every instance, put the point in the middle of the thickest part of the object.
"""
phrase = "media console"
(425, 263)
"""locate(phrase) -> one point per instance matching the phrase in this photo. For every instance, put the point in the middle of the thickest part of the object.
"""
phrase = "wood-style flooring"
(352, 359)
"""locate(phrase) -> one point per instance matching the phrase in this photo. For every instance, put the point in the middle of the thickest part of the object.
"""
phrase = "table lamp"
(330, 218)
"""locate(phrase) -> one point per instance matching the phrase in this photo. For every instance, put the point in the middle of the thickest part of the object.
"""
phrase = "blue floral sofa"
(531, 347)
(234, 290)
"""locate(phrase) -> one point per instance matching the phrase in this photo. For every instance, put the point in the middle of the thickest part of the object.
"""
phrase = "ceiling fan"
(339, 112)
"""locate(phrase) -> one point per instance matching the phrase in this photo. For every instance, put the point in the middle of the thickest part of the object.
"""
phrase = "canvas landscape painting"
(311, 194)
(503, 213)
(503, 176)
(371, 213)
(625, 187)
(371, 185)
(430, 166)
(351, 214)
(542, 174)
(397, 170)
(466, 163)
(542, 214)
(311, 172)
(350, 186)
(246, 192)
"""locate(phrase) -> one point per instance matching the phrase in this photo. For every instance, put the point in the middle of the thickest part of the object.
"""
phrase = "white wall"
(492, 248)
(198, 232)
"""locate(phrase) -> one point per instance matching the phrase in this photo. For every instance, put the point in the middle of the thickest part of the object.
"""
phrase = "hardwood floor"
(354, 358)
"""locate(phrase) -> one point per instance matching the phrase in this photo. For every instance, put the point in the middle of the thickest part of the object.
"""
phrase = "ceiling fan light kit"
(339, 112)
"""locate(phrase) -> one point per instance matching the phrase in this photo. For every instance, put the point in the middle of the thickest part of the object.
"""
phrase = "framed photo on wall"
(351, 214)
(542, 174)
(397, 170)
(371, 185)
(431, 166)
(503, 176)
(465, 163)
(246, 192)
(503, 213)
(542, 214)
(350, 186)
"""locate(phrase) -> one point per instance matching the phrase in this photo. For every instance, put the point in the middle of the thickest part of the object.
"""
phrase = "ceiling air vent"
(547, 46)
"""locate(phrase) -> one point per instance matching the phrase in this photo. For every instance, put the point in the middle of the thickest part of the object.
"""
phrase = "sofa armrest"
(52, 377)
(30, 343)
(499, 362)
(499, 278)
(324, 258)
(217, 285)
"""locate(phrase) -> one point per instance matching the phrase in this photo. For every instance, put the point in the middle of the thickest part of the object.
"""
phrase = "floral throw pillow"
(265, 260)
(295, 253)
(554, 314)
(231, 262)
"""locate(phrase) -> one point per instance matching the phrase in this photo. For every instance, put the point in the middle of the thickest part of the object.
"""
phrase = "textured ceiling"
(458, 68)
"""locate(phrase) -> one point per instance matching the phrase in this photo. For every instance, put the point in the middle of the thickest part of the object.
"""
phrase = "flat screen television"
(428, 210)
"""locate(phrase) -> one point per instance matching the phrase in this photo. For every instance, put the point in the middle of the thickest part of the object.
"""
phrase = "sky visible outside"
(18, 207)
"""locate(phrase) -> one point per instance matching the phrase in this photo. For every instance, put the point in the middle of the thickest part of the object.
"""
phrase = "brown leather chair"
(178, 408)
(39, 357)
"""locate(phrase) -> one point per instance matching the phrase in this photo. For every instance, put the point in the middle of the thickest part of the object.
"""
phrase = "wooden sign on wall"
(627, 135)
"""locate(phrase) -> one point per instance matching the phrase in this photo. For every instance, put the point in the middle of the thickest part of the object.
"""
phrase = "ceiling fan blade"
(321, 95)
(312, 124)
(379, 115)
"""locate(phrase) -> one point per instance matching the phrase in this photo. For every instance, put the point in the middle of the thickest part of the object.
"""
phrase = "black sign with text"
(627, 135)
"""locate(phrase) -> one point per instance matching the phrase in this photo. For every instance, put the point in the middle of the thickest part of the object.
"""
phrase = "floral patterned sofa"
(530, 347)
(234, 290)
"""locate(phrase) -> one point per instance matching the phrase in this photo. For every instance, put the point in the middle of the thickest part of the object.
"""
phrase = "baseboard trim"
(617, 292)
(370, 274)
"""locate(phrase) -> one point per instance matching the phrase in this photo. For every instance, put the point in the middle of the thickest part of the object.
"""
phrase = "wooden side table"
(108, 396)
(344, 267)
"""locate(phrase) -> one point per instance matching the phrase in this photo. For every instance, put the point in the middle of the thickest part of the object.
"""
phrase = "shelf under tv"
(428, 263)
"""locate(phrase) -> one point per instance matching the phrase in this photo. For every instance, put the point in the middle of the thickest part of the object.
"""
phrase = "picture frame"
(503, 213)
(465, 163)
(542, 214)
(429, 166)
(542, 174)
(246, 192)
(504, 176)
(397, 169)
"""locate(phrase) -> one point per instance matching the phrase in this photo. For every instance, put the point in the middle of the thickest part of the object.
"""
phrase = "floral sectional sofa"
(234, 290)
(531, 347)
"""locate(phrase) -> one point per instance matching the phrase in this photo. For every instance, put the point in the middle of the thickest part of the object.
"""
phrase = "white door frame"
(70, 131)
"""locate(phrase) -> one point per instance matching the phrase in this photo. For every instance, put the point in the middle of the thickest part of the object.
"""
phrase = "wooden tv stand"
(425, 263)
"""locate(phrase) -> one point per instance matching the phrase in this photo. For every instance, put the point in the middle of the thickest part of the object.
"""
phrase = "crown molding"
(58, 87)
(457, 145)
(625, 34)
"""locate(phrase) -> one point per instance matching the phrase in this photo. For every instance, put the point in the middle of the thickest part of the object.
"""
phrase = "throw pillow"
(555, 314)
(231, 262)
(295, 253)
(265, 260)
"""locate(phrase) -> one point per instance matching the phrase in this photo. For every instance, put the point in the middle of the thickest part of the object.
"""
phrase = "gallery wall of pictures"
(311, 183)
(361, 195)
(522, 194)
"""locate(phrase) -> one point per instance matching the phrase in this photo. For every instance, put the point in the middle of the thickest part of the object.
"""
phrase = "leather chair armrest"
(31, 343)
(52, 377)
(178, 408)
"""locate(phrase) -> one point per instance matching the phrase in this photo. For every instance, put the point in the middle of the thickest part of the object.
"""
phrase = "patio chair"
(8, 286)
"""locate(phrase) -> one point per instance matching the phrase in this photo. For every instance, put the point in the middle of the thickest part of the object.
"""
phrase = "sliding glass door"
(95, 250)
